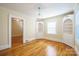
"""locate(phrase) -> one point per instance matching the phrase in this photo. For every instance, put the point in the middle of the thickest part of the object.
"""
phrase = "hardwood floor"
(38, 48)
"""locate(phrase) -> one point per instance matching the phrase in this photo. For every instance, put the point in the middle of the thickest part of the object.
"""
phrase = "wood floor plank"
(38, 47)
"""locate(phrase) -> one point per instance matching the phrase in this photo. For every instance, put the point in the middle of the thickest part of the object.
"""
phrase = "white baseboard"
(29, 39)
(4, 46)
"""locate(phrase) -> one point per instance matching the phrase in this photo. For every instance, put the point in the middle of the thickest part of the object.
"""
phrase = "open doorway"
(17, 31)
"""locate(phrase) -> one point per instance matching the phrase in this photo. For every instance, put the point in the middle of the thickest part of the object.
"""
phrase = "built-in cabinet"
(39, 29)
(68, 30)
(68, 26)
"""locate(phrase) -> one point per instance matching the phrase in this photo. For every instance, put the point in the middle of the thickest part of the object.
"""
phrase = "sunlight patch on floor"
(51, 51)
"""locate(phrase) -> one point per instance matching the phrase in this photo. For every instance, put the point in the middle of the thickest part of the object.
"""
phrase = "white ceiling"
(47, 9)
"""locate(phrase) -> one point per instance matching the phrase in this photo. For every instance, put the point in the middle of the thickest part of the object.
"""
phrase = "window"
(51, 27)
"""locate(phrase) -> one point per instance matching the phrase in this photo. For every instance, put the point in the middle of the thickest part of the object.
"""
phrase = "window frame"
(55, 29)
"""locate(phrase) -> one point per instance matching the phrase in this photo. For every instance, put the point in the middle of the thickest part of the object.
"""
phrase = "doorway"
(17, 31)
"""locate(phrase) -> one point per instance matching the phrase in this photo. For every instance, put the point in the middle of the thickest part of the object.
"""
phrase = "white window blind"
(51, 27)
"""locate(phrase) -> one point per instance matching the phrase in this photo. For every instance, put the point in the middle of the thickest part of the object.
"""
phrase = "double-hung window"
(51, 27)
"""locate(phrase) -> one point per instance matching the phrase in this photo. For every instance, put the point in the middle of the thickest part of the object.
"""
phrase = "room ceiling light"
(39, 12)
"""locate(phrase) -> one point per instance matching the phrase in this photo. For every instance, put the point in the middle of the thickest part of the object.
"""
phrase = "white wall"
(29, 26)
(59, 26)
(29, 29)
(58, 35)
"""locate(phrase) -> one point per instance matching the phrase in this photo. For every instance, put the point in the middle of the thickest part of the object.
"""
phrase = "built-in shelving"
(68, 26)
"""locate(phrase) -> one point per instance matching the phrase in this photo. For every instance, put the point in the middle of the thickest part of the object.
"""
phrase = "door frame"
(10, 29)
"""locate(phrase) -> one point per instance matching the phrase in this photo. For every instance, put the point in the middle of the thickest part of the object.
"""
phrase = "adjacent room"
(39, 29)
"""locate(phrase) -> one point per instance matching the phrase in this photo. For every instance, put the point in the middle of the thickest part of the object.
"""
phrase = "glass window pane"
(51, 27)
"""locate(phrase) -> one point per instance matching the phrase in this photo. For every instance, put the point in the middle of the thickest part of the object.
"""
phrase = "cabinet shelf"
(68, 26)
